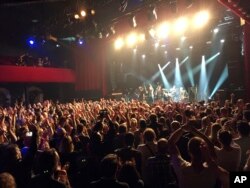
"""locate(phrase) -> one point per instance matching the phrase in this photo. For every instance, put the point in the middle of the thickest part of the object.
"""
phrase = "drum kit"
(175, 94)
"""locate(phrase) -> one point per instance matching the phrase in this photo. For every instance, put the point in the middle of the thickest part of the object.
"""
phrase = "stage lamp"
(31, 42)
(201, 19)
(131, 39)
(92, 12)
(181, 25)
(76, 16)
(119, 43)
(216, 30)
(141, 37)
(83, 13)
(162, 30)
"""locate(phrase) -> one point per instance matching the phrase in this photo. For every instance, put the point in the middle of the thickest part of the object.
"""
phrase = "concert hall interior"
(124, 93)
(198, 47)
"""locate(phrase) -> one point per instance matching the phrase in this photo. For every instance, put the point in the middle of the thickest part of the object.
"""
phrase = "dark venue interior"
(85, 46)
(124, 93)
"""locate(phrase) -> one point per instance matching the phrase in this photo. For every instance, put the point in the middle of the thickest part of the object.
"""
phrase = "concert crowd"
(119, 143)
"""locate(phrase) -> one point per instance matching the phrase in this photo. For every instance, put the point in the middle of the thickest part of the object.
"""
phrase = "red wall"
(36, 74)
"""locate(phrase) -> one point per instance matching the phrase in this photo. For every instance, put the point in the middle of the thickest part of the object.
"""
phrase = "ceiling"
(45, 18)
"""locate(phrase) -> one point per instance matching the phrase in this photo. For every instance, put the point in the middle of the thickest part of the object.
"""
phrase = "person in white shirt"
(229, 155)
(202, 171)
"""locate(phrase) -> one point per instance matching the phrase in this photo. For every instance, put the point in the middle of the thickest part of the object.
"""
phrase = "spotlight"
(216, 30)
(134, 50)
(181, 25)
(222, 40)
(141, 37)
(83, 13)
(156, 44)
(190, 47)
(165, 52)
(31, 42)
(143, 56)
(76, 16)
(57, 45)
(183, 38)
(92, 12)
(178, 49)
(131, 39)
(119, 43)
(80, 42)
(201, 18)
(162, 30)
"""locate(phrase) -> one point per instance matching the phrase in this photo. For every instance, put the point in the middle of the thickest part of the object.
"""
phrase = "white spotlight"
(119, 43)
(183, 38)
(222, 40)
(131, 39)
(162, 30)
(76, 16)
(141, 37)
(216, 30)
(83, 13)
(143, 56)
(156, 44)
(181, 25)
(190, 47)
(201, 19)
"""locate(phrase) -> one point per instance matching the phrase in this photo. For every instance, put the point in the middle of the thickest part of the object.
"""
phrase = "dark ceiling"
(20, 18)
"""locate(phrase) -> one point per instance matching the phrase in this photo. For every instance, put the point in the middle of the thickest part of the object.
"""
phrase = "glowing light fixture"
(222, 40)
(201, 19)
(131, 39)
(216, 30)
(76, 16)
(141, 37)
(83, 13)
(119, 43)
(162, 30)
(181, 25)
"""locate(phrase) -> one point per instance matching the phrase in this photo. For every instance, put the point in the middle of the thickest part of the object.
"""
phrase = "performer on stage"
(141, 93)
(158, 92)
(150, 91)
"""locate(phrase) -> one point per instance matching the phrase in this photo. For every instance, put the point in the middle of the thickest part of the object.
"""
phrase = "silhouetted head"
(109, 166)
